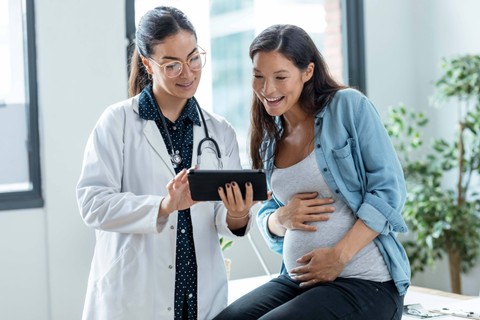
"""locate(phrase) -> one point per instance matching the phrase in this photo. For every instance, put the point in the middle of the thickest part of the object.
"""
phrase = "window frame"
(32, 198)
(353, 43)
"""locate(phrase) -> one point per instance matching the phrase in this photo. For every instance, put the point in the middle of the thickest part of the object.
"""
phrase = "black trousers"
(344, 298)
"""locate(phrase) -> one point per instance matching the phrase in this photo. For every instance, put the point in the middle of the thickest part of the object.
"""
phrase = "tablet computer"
(204, 183)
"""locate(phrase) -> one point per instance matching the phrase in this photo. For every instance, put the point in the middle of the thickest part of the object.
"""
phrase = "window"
(19, 141)
(225, 30)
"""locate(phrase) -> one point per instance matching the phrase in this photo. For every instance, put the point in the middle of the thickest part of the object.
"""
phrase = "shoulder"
(120, 109)
(349, 102)
(349, 96)
(117, 113)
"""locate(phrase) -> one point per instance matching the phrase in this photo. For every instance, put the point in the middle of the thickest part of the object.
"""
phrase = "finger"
(305, 258)
(223, 197)
(316, 217)
(237, 193)
(305, 196)
(321, 203)
(248, 194)
(230, 196)
(181, 175)
(309, 283)
(304, 227)
(170, 186)
(300, 273)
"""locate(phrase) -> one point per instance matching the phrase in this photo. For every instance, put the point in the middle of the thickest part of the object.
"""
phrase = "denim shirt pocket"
(346, 165)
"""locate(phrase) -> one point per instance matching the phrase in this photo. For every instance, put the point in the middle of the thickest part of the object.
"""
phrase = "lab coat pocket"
(119, 278)
(346, 165)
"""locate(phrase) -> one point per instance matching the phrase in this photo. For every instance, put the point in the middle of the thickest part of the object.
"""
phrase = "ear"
(308, 73)
(146, 64)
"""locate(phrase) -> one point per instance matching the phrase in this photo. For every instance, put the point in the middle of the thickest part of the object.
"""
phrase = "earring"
(149, 76)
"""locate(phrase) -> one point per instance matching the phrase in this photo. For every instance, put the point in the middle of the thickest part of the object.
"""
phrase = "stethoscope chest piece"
(176, 158)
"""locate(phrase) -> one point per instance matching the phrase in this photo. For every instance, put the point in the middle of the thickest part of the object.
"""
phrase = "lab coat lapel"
(154, 137)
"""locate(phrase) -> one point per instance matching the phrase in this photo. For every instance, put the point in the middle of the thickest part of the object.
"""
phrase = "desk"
(429, 298)
(432, 299)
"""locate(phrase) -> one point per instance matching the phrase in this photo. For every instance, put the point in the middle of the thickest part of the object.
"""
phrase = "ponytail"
(139, 77)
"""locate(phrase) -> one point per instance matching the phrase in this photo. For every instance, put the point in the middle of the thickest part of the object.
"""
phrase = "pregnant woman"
(338, 191)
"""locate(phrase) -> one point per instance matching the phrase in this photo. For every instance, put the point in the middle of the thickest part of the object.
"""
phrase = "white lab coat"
(126, 168)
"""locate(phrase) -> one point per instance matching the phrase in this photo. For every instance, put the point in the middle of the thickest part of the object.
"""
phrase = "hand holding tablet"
(204, 184)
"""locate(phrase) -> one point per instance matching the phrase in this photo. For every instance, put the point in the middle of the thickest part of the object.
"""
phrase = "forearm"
(274, 225)
(355, 240)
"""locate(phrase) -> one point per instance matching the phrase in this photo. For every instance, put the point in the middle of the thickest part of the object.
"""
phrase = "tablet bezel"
(204, 183)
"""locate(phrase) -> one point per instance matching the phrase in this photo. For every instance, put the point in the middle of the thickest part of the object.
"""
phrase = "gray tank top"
(304, 176)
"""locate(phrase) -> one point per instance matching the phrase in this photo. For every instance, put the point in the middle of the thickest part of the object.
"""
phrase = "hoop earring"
(149, 76)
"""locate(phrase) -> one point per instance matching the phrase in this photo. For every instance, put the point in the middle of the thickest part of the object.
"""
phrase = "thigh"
(343, 299)
(260, 301)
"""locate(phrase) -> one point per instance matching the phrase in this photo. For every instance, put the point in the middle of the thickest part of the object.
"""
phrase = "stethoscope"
(175, 156)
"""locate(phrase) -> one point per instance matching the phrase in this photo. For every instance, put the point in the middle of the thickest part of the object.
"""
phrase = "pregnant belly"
(298, 242)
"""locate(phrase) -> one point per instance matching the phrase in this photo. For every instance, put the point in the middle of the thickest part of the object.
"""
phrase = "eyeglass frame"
(198, 53)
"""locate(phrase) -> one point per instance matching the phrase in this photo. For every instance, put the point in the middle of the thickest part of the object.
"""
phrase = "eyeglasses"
(174, 68)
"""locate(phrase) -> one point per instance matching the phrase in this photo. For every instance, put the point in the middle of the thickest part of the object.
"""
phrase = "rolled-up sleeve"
(274, 242)
(385, 184)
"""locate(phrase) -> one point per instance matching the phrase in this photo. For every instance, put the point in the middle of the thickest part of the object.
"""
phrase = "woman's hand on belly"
(320, 265)
(302, 209)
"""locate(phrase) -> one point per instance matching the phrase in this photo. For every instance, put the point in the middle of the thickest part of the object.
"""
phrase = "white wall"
(405, 41)
(46, 253)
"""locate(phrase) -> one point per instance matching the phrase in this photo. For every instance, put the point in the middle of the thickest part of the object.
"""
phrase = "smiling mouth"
(185, 85)
(273, 100)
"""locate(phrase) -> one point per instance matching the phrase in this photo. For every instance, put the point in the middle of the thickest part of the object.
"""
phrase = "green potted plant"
(443, 213)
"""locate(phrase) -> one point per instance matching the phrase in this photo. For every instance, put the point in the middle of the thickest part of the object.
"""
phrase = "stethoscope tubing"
(199, 147)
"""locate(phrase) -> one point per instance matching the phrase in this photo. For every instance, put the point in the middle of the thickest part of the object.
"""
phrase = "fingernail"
(219, 188)
(228, 185)
(249, 184)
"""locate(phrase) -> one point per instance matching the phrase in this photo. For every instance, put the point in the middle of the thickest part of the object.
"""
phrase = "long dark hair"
(156, 25)
(297, 46)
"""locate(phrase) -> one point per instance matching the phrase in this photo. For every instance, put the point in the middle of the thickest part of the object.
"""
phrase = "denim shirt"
(358, 162)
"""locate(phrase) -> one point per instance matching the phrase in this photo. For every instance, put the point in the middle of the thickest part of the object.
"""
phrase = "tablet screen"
(204, 183)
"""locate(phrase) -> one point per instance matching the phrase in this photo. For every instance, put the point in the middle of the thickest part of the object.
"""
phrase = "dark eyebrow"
(175, 58)
(279, 71)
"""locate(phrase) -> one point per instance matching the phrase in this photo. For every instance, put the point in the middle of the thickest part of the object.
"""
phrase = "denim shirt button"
(337, 191)
(319, 146)
(325, 169)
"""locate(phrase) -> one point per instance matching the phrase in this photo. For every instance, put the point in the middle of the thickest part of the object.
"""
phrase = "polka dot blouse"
(181, 136)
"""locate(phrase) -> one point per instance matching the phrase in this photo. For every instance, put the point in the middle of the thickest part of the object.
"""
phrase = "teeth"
(273, 99)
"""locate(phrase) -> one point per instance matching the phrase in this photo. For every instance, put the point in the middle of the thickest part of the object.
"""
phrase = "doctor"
(157, 253)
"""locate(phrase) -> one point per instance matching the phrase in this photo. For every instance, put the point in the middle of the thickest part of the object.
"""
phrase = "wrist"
(274, 219)
(344, 256)
(164, 209)
(240, 216)
(274, 225)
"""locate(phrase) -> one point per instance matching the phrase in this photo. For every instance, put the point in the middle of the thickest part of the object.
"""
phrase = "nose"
(268, 87)
(186, 71)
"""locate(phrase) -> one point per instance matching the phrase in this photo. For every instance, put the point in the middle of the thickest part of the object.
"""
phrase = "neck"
(295, 118)
(170, 106)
